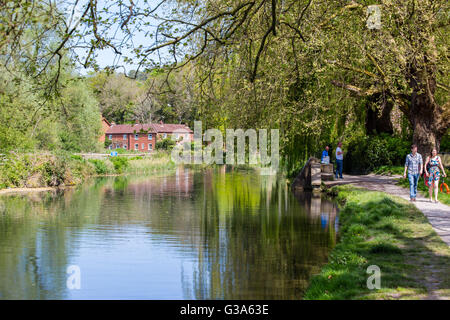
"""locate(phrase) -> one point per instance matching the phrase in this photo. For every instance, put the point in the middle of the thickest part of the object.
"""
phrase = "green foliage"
(445, 143)
(107, 143)
(389, 170)
(41, 170)
(76, 157)
(165, 144)
(120, 164)
(366, 153)
(81, 119)
(28, 121)
(100, 166)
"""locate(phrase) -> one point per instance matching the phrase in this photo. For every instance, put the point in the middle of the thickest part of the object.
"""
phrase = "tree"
(405, 61)
(117, 96)
(79, 118)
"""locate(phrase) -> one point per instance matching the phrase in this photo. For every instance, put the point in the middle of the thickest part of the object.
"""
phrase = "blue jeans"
(413, 180)
(339, 166)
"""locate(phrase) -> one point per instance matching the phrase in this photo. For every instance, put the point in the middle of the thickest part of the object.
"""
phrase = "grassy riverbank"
(387, 231)
(38, 170)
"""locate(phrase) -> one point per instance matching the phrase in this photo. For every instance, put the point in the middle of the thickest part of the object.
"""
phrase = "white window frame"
(125, 146)
(150, 147)
(136, 146)
(143, 146)
(124, 137)
(110, 137)
(136, 136)
(150, 136)
(164, 135)
(110, 147)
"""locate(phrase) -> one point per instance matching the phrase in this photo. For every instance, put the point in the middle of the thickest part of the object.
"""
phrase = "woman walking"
(433, 173)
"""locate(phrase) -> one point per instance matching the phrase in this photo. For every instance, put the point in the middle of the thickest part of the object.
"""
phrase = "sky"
(107, 57)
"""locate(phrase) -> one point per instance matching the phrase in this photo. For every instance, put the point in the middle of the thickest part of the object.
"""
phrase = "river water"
(213, 234)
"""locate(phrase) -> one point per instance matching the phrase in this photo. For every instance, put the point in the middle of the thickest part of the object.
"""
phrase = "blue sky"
(107, 57)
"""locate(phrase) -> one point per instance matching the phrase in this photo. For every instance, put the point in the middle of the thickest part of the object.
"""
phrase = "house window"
(150, 146)
(164, 135)
(150, 136)
(125, 146)
(136, 146)
(176, 136)
(110, 137)
(124, 137)
(143, 146)
(136, 136)
(110, 147)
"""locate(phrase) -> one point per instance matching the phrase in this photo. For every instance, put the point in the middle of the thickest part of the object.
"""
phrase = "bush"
(366, 153)
(120, 164)
(445, 143)
(107, 143)
(100, 166)
(165, 144)
(54, 171)
(76, 157)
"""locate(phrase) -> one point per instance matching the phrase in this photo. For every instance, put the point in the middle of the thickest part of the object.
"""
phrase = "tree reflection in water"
(213, 234)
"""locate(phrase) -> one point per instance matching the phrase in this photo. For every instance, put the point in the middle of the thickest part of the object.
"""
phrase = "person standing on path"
(414, 166)
(433, 173)
(339, 160)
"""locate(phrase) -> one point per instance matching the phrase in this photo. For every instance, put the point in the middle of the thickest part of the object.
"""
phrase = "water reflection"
(212, 234)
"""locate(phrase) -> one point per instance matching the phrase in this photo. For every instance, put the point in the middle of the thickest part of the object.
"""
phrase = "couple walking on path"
(339, 159)
(414, 167)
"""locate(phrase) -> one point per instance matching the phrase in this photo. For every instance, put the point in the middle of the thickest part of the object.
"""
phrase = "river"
(218, 233)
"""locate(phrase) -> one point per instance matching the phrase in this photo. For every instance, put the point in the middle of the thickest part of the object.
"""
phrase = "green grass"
(387, 231)
(389, 170)
(158, 162)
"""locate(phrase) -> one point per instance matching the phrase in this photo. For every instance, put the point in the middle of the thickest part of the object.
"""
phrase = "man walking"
(414, 166)
(339, 160)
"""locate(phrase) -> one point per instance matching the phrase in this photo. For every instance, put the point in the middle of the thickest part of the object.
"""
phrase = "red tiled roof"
(147, 127)
(168, 128)
(130, 128)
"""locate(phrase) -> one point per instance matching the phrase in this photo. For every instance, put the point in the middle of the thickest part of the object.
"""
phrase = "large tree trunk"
(428, 119)
(425, 135)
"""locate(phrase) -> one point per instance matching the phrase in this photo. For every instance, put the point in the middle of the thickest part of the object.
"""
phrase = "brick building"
(105, 126)
(143, 137)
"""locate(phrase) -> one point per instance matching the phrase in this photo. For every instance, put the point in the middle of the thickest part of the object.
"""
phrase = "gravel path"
(437, 213)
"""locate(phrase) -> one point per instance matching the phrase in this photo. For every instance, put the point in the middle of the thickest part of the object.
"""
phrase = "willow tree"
(404, 59)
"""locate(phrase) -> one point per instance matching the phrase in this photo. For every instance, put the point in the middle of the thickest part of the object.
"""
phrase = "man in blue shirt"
(325, 155)
(414, 166)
